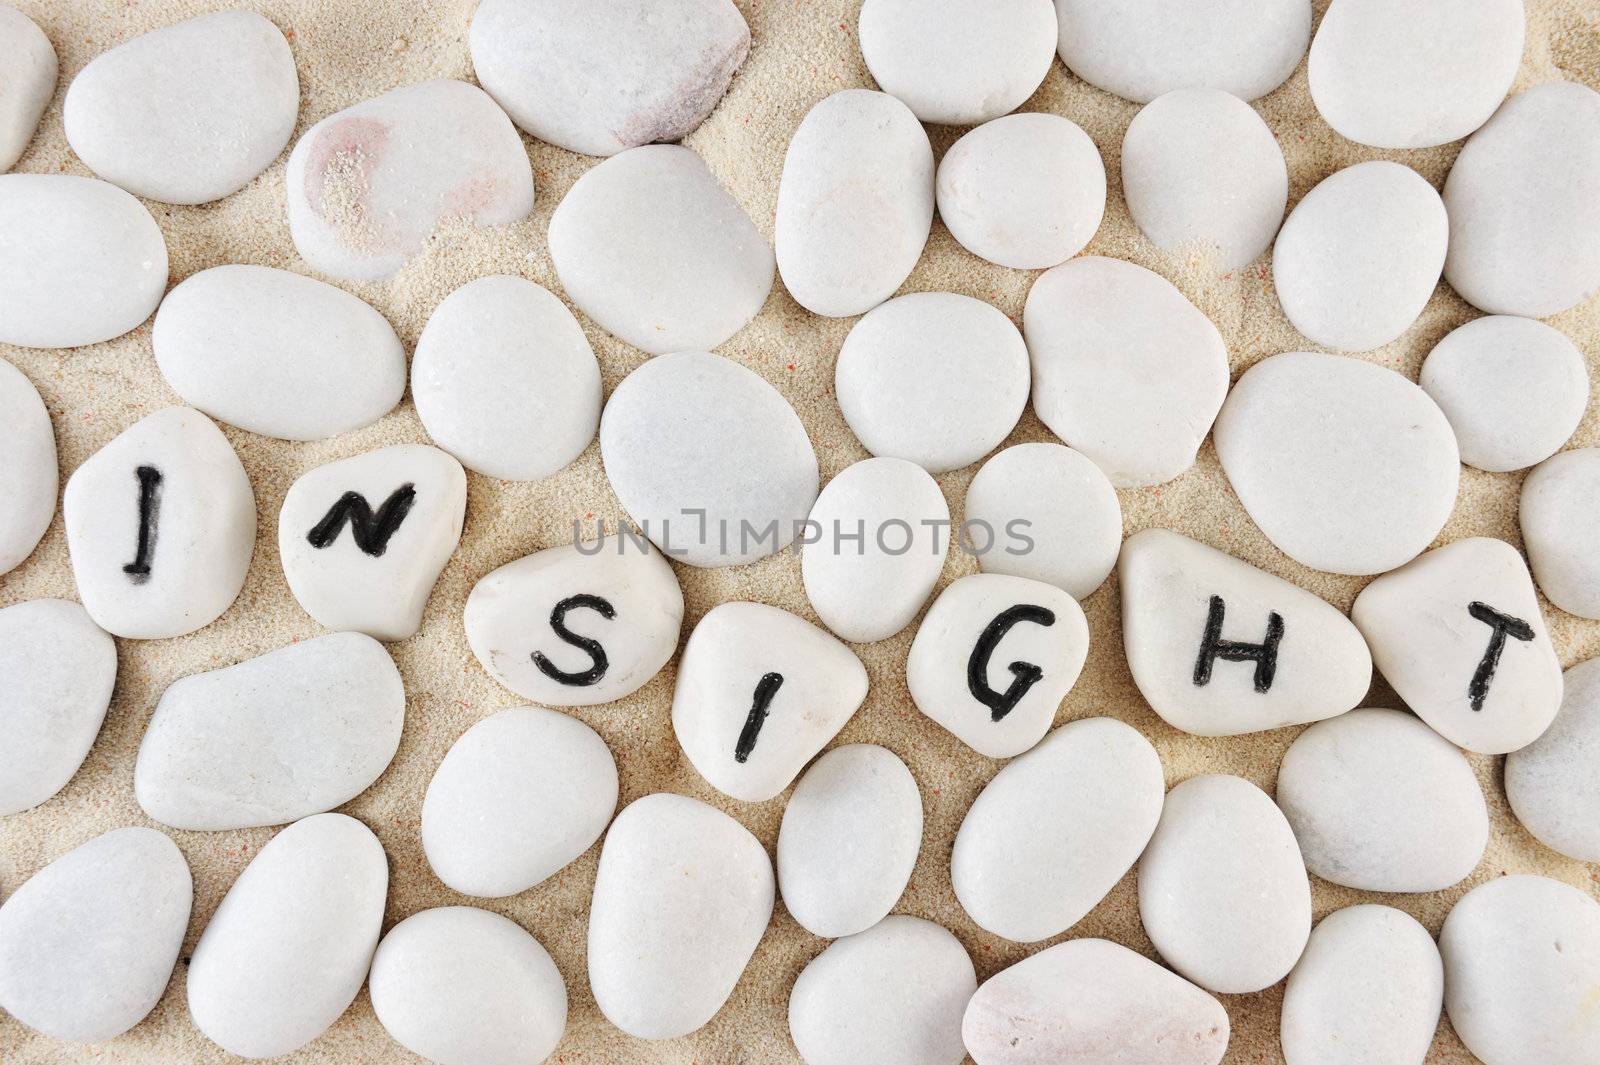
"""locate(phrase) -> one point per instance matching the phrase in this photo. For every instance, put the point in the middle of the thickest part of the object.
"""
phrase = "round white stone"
(27, 81)
(849, 840)
(1202, 172)
(82, 261)
(1554, 782)
(289, 946)
(1379, 452)
(251, 346)
(1379, 802)
(935, 378)
(892, 995)
(1024, 191)
(520, 795)
(511, 613)
(1360, 255)
(1056, 829)
(188, 113)
(600, 76)
(1521, 962)
(1368, 989)
(1140, 49)
(460, 985)
(87, 945)
(1513, 388)
(505, 380)
(270, 740)
(651, 247)
(29, 477)
(1223, 892)
(708, 459)
(1125, 369)
(682, 897)
(59, 669)
(1414, 75)
(1524, 196)
(855, 203)
(200, 519)
(728, 662)
(1090, 1001)
(1560, 515)
(367, 186)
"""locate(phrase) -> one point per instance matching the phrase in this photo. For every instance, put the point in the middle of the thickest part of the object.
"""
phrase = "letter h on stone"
(1213, 647)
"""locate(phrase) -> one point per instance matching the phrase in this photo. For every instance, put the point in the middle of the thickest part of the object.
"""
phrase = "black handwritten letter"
(1026, 673)
(371, 531)
(766, 690)
(597, 654)
(138, 570)
(1500, 626)
(1213, 647)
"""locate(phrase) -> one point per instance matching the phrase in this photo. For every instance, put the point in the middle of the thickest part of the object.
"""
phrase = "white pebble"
(1554, 782)
(1560, 516)
(29, 477)
(27, 81)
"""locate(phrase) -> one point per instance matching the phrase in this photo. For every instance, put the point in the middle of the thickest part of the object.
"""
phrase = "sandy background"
(803, 50)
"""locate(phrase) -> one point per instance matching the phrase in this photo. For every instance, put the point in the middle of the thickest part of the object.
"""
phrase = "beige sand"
(349, 50)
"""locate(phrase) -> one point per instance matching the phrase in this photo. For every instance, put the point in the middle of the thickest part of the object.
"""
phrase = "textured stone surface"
(1553, 784)
(29, 477)
(1560, 517)
(27, 81)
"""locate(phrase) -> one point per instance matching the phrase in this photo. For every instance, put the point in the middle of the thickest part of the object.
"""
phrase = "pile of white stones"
(1346, 466)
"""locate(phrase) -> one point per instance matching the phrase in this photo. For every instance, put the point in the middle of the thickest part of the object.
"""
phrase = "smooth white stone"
(650, 246)
(27, 81)
(849, 840)
(202, 527)
(272, 739)
(459, 985)
(188, 113)
(59, 669)
(892, 995)
(1089, 1001)
(290, 944)
(367, 186)
(1513, 388)
(1140, 49)
(379, 587)
(1041, 659)
(1367, 991)
(1125, 368)
(728, 659)
(1201, 170)
(1417, 74)
(1521, 963)
(708, 459)
(855, 203)
(1223, 892)
(600, 76)
(1380, 802)
(935, 378)
(1524, 196)
(519, 796)
(870, 588)
(29, 476)
(1429, 642)
(1056, 829)
(1560, 515)
(88, 944)
(682, 897)
(1380, 453)
(277, 353)
(505, 380)
(1024, 191)
(1554, 782)
(1322, 667)
(82, 261)
(1360, 255)
(511, 613)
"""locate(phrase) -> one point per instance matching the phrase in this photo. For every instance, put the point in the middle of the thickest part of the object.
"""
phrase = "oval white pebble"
(1380, 452)
(457, 984)
(1223, 892)
(682, 898)
(1024, 191)
(849, 840)
(1360, 255)
(27, 81)
(1560, 516)
(82, 261)
(652, 247)
(29, 476)
(188, 113)
(1056, 829)
(272, 739)
(1554, 782)
(855, 203)
(277, 353)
